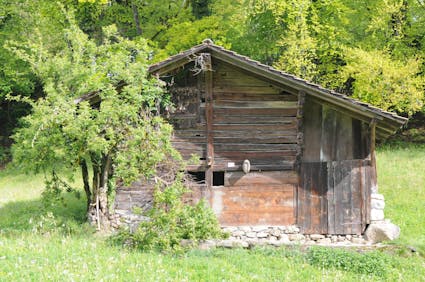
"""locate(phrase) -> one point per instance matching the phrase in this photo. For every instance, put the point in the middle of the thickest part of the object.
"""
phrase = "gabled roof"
(386, 122)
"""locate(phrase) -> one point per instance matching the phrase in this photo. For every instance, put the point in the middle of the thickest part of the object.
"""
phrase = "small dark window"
(218, 178)
(197, 176)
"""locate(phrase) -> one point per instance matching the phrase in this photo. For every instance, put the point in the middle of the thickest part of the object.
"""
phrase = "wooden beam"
(372, 127)
(209, 118)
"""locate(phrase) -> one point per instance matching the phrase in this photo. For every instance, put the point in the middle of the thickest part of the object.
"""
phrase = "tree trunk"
(136, 17)
(85, 174)
(98, 213)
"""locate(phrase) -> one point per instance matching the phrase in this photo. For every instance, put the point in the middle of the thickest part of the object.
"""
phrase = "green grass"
(39, 243)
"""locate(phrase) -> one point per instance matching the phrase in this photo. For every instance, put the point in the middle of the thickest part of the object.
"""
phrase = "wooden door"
(333, 197)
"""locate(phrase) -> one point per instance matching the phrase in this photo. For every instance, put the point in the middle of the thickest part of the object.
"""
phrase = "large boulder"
(385, 231)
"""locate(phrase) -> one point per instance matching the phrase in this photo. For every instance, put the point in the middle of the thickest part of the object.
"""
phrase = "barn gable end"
(310, 151)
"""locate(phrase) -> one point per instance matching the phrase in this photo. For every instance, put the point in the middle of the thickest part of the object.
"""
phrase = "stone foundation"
(247, 236)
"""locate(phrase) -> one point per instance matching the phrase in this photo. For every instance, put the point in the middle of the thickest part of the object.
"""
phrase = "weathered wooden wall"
(257, 198)
(252, 120)
(334, 197)
(330, 135)
(336, 173)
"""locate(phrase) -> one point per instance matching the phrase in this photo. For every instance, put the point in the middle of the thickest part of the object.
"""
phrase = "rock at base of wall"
(378, 232)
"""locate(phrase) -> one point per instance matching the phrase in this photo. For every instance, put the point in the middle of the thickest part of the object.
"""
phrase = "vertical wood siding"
(334, 197)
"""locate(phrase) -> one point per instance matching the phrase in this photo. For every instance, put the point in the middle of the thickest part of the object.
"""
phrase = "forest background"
(370, 50)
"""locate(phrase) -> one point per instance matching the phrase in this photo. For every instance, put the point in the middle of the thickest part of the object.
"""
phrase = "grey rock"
(324, 241)
(377, 204)
(376, 233)
(207, 244)
(245, 228)
(316, 237)
(232, 243)
(251, 235)
(376, 196)
(296, 237)
(275, 232)
(238, 233)
(259, 228)
(262, 235)
(376, 215)
(229, 229)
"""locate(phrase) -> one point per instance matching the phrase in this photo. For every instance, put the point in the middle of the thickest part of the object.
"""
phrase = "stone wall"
(245, 236)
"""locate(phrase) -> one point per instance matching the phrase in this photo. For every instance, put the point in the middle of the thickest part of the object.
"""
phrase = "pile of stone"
(247, 236)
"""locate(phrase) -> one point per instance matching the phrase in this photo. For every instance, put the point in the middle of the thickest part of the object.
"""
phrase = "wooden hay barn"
(273, 149)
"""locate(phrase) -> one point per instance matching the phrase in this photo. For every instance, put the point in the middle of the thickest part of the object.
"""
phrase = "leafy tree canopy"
(124, 137)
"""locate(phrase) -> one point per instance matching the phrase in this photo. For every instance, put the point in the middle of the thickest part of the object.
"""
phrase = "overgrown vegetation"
(171, 221)
(51, 243)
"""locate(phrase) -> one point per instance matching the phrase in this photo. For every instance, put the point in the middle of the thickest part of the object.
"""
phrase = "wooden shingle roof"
(387, 123)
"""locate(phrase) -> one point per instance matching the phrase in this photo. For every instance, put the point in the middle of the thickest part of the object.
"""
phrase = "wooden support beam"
(300, 128)
(206, 57)
(372, 127)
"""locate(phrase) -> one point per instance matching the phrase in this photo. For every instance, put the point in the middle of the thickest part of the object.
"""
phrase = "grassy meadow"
(39, 243)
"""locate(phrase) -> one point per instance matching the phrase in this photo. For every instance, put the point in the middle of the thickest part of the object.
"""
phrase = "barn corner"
(280, 159)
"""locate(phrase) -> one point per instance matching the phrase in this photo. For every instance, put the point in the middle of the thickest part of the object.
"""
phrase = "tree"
(124, 137)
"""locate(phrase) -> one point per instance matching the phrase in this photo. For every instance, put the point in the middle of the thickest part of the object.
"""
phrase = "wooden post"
(300, 146)
(209, 119)
(372, 126)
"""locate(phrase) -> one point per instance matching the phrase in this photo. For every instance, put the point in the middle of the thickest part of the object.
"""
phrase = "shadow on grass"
(34, 216)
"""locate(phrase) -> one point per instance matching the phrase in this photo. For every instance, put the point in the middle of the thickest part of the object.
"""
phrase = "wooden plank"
(281, 96)
(312, 130)
(258, 165)
(257, 128)
(247, 205)
(256, 104)
(219, 147)
(372, 143)
(328, 136)
(356, 197)
(209, 118)
(256, 178)
(300, 133)
(331, 203)
(222, 119)
(261, 112)
(282, 139)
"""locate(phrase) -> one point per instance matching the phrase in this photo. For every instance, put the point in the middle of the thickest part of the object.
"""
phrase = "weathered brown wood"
(373, 155)
(281, 96)
(256, 129)
(256, 178)
(256, 104)
(249, 205)
(219, 147)
(300, 131)
(209, 118)
(262, 112)
(282, 139)
(312, 129)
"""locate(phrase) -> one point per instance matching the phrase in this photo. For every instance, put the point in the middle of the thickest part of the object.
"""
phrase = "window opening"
(197, 176)
(218, 178)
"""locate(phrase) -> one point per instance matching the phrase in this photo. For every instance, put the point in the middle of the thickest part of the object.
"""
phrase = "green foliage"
(371, 263)
(382, 81)
(171, 221)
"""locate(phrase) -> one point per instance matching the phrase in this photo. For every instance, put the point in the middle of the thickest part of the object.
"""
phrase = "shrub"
(171, 221)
